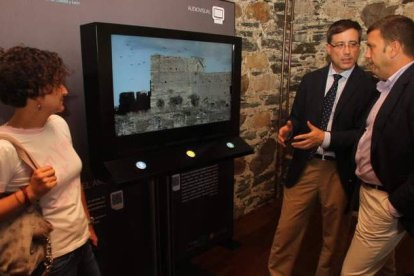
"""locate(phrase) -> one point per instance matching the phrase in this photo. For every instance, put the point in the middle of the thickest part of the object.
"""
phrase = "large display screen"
(148, 88)
(163, 83)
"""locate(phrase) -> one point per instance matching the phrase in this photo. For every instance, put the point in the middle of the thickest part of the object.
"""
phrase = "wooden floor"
(254, 232)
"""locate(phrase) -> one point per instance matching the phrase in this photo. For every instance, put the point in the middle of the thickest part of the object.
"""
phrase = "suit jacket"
(392, 147)
(348, 118)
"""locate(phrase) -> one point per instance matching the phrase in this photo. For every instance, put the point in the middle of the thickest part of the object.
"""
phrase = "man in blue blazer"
(323, 136)
(385, 152)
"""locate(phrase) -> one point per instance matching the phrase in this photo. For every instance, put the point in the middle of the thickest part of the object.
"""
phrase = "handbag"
(24, 235)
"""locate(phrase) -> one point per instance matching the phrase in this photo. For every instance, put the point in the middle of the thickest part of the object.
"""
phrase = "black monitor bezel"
(104, 144)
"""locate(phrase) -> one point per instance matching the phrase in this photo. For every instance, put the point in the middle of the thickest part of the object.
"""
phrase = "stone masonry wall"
(260, 24)
(173, 76)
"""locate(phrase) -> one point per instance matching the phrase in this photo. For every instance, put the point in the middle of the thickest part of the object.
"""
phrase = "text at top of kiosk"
(172, 159)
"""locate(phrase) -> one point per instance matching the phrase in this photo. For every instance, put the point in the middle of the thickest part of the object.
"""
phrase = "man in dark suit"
(385, 152)
(322, 166)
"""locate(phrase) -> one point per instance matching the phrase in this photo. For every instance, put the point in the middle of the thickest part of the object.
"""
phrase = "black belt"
(323, 157)
(374, 186)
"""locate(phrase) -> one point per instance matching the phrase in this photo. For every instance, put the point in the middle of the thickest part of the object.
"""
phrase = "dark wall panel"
(54, 25)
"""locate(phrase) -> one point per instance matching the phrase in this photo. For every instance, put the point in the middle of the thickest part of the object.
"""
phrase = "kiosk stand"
(163, 113)
(164, 207)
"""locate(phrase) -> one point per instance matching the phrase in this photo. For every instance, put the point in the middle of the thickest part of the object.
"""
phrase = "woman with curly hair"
(32, 81)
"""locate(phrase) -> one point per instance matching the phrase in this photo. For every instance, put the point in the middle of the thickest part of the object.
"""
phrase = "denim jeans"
(80, 262)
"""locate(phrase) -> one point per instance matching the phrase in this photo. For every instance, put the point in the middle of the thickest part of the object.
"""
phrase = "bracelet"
(17, 198)
(91, 221)
(26, 195)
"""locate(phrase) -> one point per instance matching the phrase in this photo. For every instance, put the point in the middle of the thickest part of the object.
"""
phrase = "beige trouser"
(377, 234)
(319, 182)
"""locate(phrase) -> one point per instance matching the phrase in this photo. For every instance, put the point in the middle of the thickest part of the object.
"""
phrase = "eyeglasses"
(342, 45)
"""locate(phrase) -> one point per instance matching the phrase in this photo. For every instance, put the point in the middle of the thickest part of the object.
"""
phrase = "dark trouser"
(79, 262)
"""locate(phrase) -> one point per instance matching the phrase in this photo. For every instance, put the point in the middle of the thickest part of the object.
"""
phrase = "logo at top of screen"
(217, 14)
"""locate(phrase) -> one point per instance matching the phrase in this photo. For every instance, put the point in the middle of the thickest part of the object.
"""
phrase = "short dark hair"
(396, 28)
(27, 72)
(341, 26)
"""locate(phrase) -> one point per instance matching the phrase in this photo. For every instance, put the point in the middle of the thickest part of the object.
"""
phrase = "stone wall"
(173, 76)
(260, 24)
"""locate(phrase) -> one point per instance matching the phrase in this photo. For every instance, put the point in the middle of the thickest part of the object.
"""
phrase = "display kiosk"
(163, 126)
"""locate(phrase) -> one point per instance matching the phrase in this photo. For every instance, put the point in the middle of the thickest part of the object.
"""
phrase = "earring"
(39, 107)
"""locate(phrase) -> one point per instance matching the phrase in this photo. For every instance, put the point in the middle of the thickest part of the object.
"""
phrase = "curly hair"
(27, 72)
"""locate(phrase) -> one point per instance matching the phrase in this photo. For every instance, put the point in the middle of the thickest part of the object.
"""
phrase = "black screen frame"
(104, 144)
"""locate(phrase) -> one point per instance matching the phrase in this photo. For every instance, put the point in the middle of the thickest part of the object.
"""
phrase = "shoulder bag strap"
(21, 151)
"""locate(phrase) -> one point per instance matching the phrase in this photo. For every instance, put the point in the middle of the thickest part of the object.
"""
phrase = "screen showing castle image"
(162, 83)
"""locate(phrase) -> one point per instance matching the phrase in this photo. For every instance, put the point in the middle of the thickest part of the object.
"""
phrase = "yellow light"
(190, 153)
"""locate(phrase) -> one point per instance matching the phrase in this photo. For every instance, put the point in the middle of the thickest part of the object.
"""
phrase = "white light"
(230, 145)
(141, 165)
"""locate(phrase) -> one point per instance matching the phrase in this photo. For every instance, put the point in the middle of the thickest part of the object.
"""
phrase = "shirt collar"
(345, 74)
(385, 86)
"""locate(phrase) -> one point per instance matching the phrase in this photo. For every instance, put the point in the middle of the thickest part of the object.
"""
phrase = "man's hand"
(312, 139)
(284, 133)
